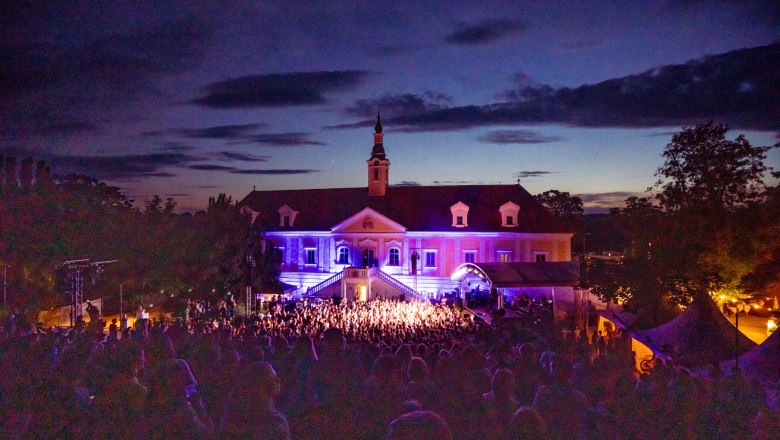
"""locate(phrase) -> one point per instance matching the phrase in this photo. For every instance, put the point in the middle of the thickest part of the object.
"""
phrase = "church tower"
(378, 165)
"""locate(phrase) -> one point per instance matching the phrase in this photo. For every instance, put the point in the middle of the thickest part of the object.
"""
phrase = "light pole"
(736, 337)
(5, 291)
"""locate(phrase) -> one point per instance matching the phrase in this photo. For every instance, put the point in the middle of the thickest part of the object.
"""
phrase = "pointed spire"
(378, 126)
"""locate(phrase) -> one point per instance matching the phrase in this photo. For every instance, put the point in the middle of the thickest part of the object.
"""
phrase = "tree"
(712, 189)
(705, 171)
(569, 209)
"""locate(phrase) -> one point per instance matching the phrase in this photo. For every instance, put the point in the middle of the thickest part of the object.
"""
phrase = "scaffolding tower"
(77, 269)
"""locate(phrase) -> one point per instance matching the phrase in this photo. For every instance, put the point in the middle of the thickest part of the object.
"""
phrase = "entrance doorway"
(368, 258)
(362, 293)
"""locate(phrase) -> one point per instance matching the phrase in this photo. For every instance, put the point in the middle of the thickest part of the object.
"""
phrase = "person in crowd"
(173, 407)
(419, 425)
(563, 407)
(249, 411)
(526, 423)
(499, 404)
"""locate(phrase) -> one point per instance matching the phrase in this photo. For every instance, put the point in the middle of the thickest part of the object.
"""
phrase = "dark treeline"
(46, 220)
(709, 225)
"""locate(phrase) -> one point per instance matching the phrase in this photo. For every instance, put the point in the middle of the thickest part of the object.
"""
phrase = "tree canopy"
(711, 227)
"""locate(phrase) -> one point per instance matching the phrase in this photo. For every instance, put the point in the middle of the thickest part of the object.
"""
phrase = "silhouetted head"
(503, 382)
(419, 425)
(527, 423)
(417, 370)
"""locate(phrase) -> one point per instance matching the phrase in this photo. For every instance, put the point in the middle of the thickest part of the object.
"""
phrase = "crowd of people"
(377, 370)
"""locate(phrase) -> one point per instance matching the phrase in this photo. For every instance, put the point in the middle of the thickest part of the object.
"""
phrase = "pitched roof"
(417, 208)
(762, 362)
(565, 273)
(700, 332)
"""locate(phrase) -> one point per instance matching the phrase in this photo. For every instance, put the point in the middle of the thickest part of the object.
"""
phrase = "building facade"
(384, 240)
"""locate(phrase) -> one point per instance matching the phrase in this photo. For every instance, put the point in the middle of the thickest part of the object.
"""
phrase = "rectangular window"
(286, 221)
(469, 256)
(394, 258)
(510, 220)
(430, 258)
(311, 256)
(505, 256)
(459, 220)
(541, 258)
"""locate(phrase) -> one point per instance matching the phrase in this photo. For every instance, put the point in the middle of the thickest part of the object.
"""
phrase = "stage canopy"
(700, 333)
(508, 275)
(762, 362)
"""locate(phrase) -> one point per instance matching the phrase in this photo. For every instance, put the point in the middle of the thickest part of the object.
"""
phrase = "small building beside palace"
(389, 241)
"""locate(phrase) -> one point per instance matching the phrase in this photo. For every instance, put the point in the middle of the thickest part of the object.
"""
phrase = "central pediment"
(366, 221)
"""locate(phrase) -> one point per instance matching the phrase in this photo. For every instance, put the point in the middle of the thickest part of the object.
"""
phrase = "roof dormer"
(509, 213)
(460, 215)
(287, 216)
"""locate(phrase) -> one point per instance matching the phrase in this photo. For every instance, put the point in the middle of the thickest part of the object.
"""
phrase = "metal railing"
(327, 283)
(406, 290)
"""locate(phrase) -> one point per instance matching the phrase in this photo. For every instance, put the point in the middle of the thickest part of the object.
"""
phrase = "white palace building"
(424, 241)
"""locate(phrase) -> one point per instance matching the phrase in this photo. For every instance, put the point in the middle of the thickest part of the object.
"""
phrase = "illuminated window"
(505, 256)
(430, 258)
(311, 256)
(394, 257)
(343, 255)
(469, 256)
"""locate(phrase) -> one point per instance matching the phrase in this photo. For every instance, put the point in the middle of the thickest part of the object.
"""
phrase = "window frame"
(426, 254)
(339, 259)
(310, 252)
(394, 253)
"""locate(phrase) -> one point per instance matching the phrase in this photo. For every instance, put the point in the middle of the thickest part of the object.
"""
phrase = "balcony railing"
(406, 290)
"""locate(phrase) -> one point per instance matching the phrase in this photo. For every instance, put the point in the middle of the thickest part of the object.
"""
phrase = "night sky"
(189, 101)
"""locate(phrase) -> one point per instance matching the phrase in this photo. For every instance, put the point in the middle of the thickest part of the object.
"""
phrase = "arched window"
(343, 255)
(394, 257)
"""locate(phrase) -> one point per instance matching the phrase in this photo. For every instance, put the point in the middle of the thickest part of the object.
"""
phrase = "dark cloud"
(275, 172)
(210, 167)
(67, 128)
(385, 51)
(485, 32)
(406, 183)
(532, 174)
(292, 139)
(124, 167)
(452, 182)
(174, 147)
(667, 134)
(220, 131)
(128, 167)
(44, 83)
(276, 90)
(232, 155)
(399, 105)
(215, 132)
(516, 137)
(738, 88)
